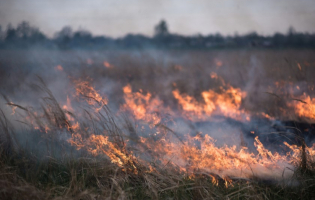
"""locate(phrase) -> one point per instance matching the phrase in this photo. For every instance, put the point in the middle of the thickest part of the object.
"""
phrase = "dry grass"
(56, 170)
(67, 176)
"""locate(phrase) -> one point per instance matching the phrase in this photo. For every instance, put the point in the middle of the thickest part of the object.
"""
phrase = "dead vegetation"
(104, 158)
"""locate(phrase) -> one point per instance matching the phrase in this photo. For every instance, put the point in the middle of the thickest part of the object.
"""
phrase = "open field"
(153, 124)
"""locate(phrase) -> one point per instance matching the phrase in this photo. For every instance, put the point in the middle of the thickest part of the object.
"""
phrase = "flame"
(298, 107)
(214, 75)
(265, 115)
(68, 105)
(92, 96)
(89, 61)
(107, 65)
(59, 68)
(225, 161)
(13, 108)
(218, 63)
(299, 66)
(178, 67)
(190, 155)
(142, 106)
(100, 144)
(304, 107)
(227, 103)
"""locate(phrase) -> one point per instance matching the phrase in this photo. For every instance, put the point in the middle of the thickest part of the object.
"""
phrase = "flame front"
(142, 106)
(305, 107)
(226, 103)
(162, 146)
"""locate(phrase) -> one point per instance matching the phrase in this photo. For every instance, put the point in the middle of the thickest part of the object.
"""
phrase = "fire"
(68, 106)
(142, 106)
(59, 68)
(92, 96)
(89, 61)
(100, 144)
(107, 64)
(299, 66)
(13, 107)
(178, 67)
(304, 107)
(214, 75)
(224, 161)
(300, 107)
(218, 63)
(189, 155)
(227, 103)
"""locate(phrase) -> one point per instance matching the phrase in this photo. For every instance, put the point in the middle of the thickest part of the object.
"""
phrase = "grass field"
(153, 124)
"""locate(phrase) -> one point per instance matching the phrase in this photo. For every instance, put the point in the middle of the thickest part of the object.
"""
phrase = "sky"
(117, 18)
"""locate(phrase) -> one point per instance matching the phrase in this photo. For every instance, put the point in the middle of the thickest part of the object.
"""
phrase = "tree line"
(26, 36)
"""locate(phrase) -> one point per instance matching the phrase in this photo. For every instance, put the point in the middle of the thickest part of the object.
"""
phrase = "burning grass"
(152, 144)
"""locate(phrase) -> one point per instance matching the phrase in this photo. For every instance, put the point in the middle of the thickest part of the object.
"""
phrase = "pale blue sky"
(118, 17)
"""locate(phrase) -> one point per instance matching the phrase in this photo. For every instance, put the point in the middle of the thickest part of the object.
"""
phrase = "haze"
(118, 17)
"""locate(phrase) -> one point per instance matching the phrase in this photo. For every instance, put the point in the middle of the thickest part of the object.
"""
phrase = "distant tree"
(161, 29)
(291, 30)
(27, 32)
(24, 30)
(1, 33)
(252, 36)
(134, 41)
(10, 33)
(82, 33)
(81, 38)
(218, 38)
(1, 37)
(293, 38)
(65, 32)
(279, 39)
(64, 36)
(25, 35)
(252, 39)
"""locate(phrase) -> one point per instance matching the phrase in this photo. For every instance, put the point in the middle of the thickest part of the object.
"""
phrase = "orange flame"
(99, 144)
(142, 106)
(59, 68)
(227, 103)
(107, 65)
(92, 96)
(89, 61)
(304, 107)
(194, 154)
(224, 161)
(218, 63)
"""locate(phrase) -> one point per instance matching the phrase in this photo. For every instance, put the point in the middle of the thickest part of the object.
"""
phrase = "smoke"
(152, 76)
(184, 17)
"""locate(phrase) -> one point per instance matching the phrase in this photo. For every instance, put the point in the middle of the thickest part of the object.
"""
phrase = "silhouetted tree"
(81, 38)
(161, 29)
(24, 35)
(82, 33)
(218, 38)
(10, 34)
(24, 30)
(134, 41)
(291, 31)
(1, 37)
(64, 36)
(1, 33)
(252, 39)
